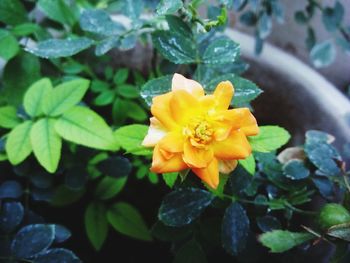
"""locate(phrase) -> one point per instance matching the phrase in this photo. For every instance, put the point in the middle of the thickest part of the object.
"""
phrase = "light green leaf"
(8, 117)
(8, 45)
(127, 220)
(279, 240)
(167, 7)
(221, 51)
(60, 11)
(249, 164)
(109, 187)
(46, 144)
(12, 12)
(57, 48)
(170, 178)
(83, 126)
(96, 224)
(18, 146)
(35, 96)
(65, 96)
(130, 138)
(270, 138)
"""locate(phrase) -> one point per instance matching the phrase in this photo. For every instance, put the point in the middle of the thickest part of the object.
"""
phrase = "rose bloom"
(197, 131)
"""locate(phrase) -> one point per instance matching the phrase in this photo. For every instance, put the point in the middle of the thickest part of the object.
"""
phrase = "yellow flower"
(197, 131)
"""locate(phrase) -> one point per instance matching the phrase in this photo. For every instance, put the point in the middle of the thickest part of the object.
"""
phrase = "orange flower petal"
(210, 174)
(161, 110)
(223, 95)
(197, 157)
(172, 142)
(179, 82)
(162, 165)
(236, 146)
(183, 105)
(155, 133)
(227, 166)
(242, 119)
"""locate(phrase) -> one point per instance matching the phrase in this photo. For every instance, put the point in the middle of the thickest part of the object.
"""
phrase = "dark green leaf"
(99, 22)
(24, 29)
(341, 231)
(221, 51)
(106, 45)
(12, 12)
(245, 90)
(268, 223)
(279, 240)
(190, 252)
(57, 48)
(132, 9)
(115, 167)
(121, 76)
(136, 112)
(166, 7)
(127, 220)
(106, 97)
(128, 91)
(310, 40)
(300, 17)
(264, 26)
(182, 206)
(248, 18)
(296, 170)
(11, 216)
(57, 255)
(64, 196)
(109, 187)
(332, 17)
(19, 73)
(155, 87)
(96, 224)
(10, 189)
(39, 236)
(235, 229)
(169, 233)
(323, 54)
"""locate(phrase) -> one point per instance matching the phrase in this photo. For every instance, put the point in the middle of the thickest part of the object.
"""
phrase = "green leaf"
(136, 112)
(64, 12)
(301, 18)
(170, 178)
(19, 73)
(245, 90)
(36, 96)
(130, 138)
(121, 76)
(99, 22)
(182, 206)
(221, 51)
(119, 111)
(270, 138)
(8, 117)
(190, 252)
(57, 48)
(280, 240)
(127, 220)
(296, 170)
(8, 45)
(264, 25)
(235, 229)
(18, 145)
(109, 187)
(249, 164)
(83, 126)
(96, 224)
(128, 91)
(104, 98)
(46, 144)
(323, 54)
(64, 96)
(64, 196)
(132, 9)
(167, 7)
(341, 231)
(156, 87)
(115, 166)
(25, 29)
(12, 12)
(176, 44)
(332, 17)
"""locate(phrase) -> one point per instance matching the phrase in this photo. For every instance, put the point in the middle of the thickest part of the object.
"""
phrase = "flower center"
(200, 132)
